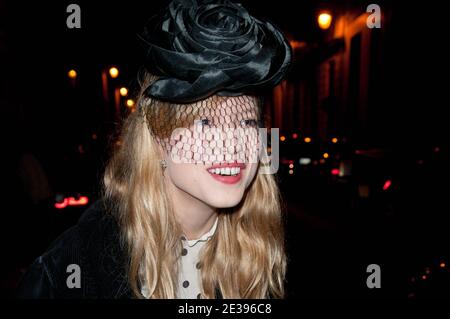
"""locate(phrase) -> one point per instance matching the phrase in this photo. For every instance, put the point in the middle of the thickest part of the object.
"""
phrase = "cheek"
(183, 175)
(195, 181)
(252, 170)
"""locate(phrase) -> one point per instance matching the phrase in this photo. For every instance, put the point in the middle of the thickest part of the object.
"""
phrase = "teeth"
(225, 171)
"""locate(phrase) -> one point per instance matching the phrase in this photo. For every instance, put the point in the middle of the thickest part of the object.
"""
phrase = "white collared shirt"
(189, 281)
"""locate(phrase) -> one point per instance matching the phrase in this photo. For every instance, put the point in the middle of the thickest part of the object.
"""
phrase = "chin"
(225, 200)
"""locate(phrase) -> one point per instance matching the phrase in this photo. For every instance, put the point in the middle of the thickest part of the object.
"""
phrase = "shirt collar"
(203, 238)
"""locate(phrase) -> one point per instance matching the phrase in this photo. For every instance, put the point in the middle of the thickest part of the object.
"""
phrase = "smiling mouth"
(227, 173)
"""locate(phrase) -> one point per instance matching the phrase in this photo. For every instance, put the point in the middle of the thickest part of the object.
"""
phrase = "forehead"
(227, 105)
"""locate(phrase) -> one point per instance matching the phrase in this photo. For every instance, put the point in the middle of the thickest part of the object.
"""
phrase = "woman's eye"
(203, 122)
(249, 123)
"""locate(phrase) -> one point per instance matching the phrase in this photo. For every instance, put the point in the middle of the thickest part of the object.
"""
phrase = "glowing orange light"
(324, 20)
(326, 155)
(387, 184)
(294, 136)
(297, 44)
(72, 74)
(307, 140)
(123, 91)
(334, 140)
(71, 201)
(282, 138)
(130, 103)
(114, 72)
(442, 265)
(83, 200)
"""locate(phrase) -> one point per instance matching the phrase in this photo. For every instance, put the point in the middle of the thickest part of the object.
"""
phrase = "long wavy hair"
(244, 259)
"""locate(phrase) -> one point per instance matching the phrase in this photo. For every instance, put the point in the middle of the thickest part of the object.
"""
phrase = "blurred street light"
(130, 103)
(387, 184)
(114, 72)
(72, 74)
(324, 20)
(304, 161)
(123, 91)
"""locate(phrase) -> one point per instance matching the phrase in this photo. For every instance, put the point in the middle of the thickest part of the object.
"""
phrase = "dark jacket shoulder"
(86, 261)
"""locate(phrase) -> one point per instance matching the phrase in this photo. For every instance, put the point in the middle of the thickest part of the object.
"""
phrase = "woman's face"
(216, 159)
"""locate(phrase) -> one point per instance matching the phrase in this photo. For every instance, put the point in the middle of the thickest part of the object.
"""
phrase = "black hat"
(199, 48)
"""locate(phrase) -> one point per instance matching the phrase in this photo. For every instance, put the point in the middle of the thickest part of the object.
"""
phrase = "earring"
(163, 164)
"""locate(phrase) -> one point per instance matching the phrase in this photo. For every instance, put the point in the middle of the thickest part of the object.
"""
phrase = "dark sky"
(40, 49)
(108, 28)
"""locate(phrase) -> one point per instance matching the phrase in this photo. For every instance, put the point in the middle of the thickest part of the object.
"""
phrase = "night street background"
(364, 152)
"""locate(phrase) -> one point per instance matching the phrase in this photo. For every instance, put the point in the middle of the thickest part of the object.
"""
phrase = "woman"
(184, 212)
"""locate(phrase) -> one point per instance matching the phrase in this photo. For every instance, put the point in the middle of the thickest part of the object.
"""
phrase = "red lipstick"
(227, 173)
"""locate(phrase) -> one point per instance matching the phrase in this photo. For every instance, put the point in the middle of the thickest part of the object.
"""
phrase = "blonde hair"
(244, 259)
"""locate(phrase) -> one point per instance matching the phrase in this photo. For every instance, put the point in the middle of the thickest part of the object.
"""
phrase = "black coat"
(93, 244)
